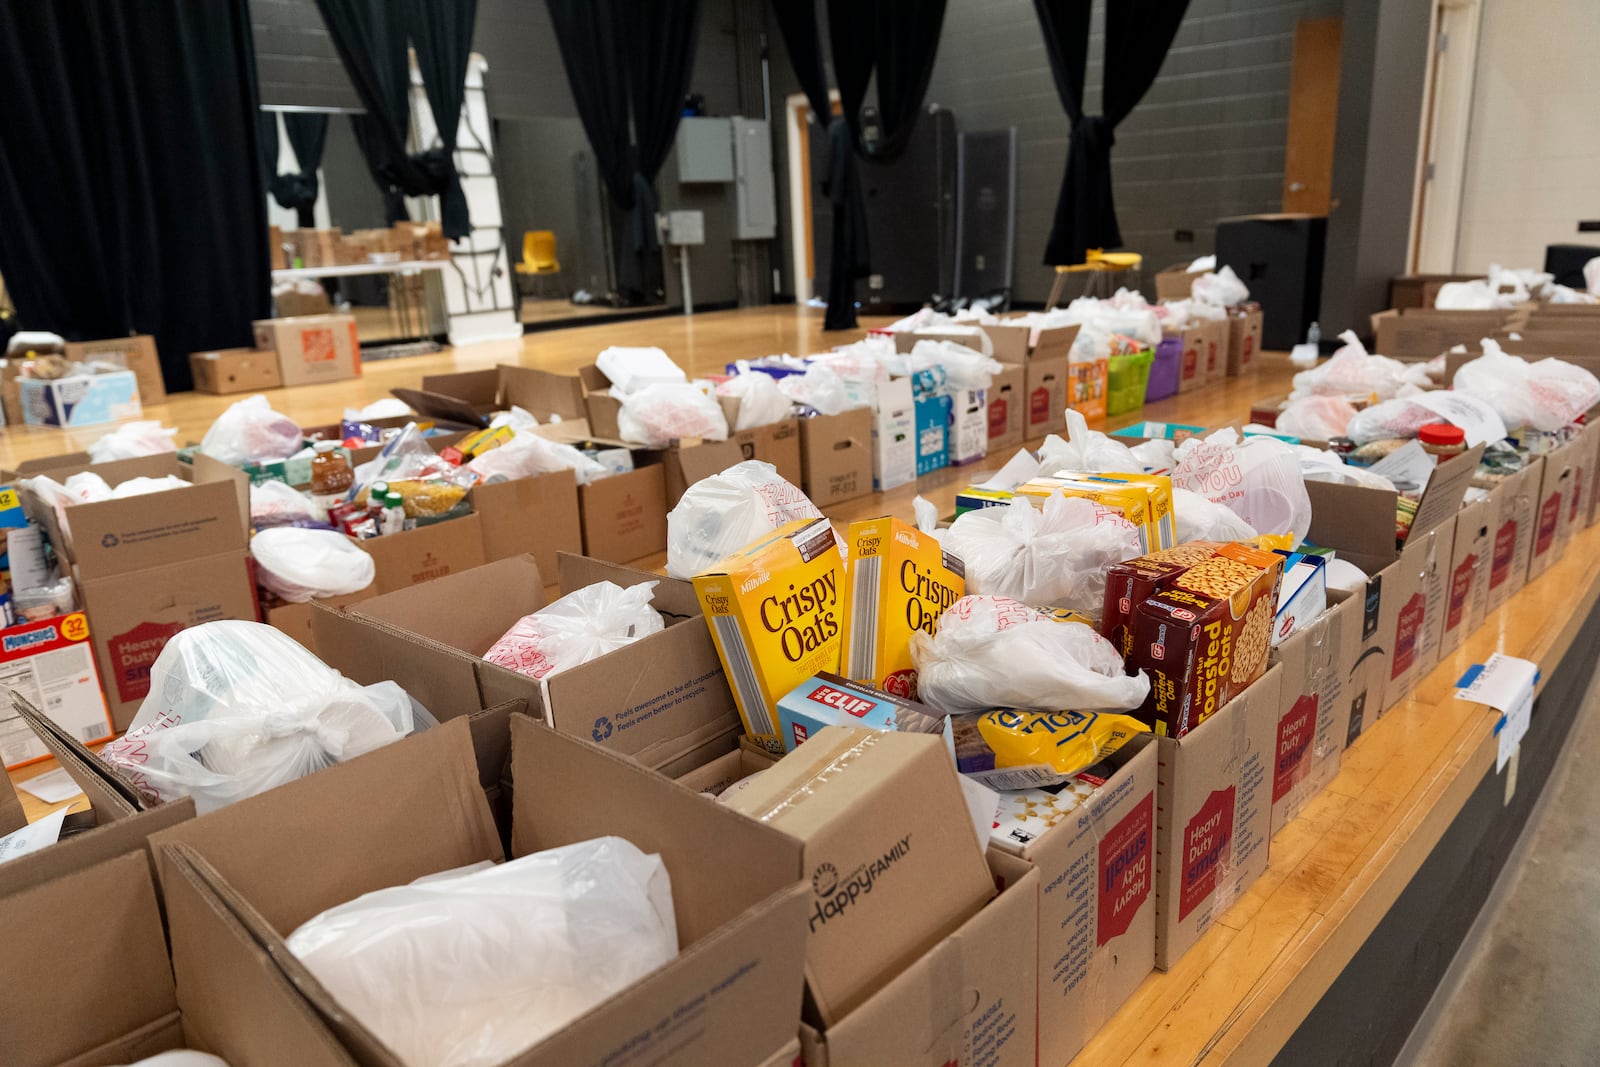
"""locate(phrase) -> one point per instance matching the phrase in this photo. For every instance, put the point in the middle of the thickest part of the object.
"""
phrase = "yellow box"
(776, 616)
(901, 580)
(1143, 499)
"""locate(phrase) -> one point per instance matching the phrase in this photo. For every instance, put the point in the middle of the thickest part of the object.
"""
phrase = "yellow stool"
(539, 258)
(1106, 271)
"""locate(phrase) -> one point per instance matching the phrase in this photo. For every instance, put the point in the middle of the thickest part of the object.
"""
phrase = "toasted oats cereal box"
(1206, 637)
(776, 615)
(900, 581)
(1133, 581)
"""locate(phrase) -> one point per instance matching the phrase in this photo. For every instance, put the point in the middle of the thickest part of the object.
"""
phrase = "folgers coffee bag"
(1206, 637)
(901, 580)
(776, 614)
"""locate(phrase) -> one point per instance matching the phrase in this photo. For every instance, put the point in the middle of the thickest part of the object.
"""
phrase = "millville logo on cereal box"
(775, 613)
(900, 581)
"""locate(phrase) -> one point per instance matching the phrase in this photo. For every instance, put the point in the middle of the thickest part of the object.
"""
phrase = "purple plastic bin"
(1164, 370)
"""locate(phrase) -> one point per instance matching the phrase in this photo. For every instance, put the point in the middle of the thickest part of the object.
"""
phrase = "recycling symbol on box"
(602, 729)
(110, 540)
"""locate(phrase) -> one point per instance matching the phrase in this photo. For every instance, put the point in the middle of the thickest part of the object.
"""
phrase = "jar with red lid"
(1442, 439)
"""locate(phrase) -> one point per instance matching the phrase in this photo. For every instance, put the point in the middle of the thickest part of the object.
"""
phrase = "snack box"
(829, 700)
(775, 613)
(972, 498)
(1133, 581)
(1205, 639)
(900, 581)
(1143, 499)
(1302, 594)
(1014, 748)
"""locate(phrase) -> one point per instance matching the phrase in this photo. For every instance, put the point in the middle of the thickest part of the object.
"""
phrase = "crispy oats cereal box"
(900, 581)
(776, 615)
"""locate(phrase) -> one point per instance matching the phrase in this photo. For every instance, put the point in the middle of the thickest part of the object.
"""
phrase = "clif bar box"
(829, 700)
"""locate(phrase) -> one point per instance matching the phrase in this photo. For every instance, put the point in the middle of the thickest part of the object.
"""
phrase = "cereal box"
(1143, 499)
(901, 580)
(776, 617)
(1205, 639)
(829, 700)
(1132, 582)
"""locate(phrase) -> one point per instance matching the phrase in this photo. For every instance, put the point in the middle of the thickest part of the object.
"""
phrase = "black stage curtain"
(371, 37)
(1138, 35)
(895, 39)
(131, 191)
(307, 135)
(629, 63)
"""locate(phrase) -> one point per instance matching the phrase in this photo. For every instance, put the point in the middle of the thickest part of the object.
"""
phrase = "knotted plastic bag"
(1052, 556)
(657, 415)
(132, 440)
(1085, 450)
(1221, 288)
(1316, 417)
(819, 389)
(583, 625)
(995, 651)
(528, 454)
(299, 564)
(251, 432)
(1257, 478)
(718, 516)
(470, 968)
(1352, 372)
(1198, 519)
(761, 402)
(1546, 395)
(275, 503)
(236, 708)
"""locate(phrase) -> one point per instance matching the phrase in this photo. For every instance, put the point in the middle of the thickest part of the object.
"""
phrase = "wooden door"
(1313, 114)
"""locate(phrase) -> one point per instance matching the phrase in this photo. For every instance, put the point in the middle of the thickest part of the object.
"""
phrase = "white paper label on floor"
(1506, 684)
(52, 787)
(34, 836)
(1480, 422)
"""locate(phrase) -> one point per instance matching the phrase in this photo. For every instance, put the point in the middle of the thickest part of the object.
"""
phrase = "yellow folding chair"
(1106, 271)
(539, 262)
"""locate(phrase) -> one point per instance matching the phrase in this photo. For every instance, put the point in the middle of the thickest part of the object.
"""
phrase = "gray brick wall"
(296, 63)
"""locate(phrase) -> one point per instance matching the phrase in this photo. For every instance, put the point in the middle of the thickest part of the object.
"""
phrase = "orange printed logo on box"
(317, 345)
(1126, 873)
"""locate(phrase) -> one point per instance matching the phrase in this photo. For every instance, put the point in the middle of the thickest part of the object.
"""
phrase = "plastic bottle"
(331, 476)
(394, 514)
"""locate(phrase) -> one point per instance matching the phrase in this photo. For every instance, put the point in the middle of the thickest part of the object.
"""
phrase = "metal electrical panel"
(986, 217)
(705, 150)
(755, 199)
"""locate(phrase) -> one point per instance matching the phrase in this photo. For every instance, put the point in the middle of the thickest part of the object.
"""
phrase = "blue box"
(80, 399)
(829, 700)
(933, 434)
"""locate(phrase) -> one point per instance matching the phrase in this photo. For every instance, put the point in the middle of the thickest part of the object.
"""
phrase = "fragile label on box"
(51, 665)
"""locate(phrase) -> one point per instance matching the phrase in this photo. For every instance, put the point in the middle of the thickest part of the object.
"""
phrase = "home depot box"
(136, 353)
(1097, 924)
(1313, 719)
(1558, 489)
(836, 456)
(1470, 556)
(653, 700)
(1213, 815)
(312, 348)
(1244, 338)
(891, 863)
(894, 436)
(79, 399)
(415, 808)
(1007, 408)
(234, 370)
(1516, 511)
(50, 664)
(1045, 384)
(917, 1018)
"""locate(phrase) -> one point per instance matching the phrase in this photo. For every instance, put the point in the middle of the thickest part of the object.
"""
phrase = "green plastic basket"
(1127, 378)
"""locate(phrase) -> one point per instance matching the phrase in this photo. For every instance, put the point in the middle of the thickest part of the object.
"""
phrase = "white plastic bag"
(1316, 417)
(583, 625)
(1391, 418)
(956, 368)
(1050, 556)
(132, 440)
(236, 708)
(820, 389)
(1085, 450)
(761, 402)
(1546, 395)
(1220, 289)
(251, 432)
(276, 503)
(997, 652)
(181, 1058)
(718, 516)
(1198, 519)
(657, 415)
(632, 369)
(469, 969)
(1591, 275)
(1155, 455)
(528, 454)
(1257, 478)
(298, 564)
(388, 407)
(1352, 372)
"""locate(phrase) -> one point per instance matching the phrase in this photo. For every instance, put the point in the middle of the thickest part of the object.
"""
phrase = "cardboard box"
(1014, 341)
(469, 397)
(715, 777)
(416, 808)
(136, 353)
(80, 399)
(777, 443)
(891, 865)
(1558, 491)
(894, 436)
(51, 665)
(933, 434)
(1218, 336)
(624, 516)
(836, 456)
(234, 370)
(653, 700)
(1213, 815)
(1417, 605)
(1415, 335)
(1592, 491)
(1175, 282)
(1421, 290)
(413, 557)
(295, 619)
(1313, 719)
(1046, 387)
(1516, 502)
(1244, 339)
(1191, 356)
(969, 427)
(968, 335)
(279, 259)
(915, 1019)
(1097, 926)
(312, 349)
(1007, 408)
(538, 516)
(1470, 555)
